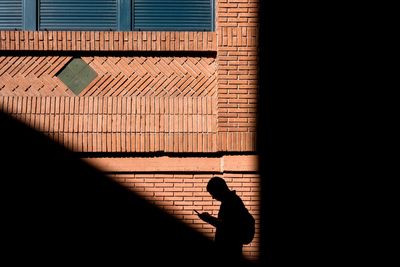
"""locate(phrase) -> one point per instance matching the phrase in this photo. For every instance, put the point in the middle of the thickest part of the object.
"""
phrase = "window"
(115, 15)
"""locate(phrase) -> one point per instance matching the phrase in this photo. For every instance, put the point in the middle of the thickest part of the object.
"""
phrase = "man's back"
(230, 214)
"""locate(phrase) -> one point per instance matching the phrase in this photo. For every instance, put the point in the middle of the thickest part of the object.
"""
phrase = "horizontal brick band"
(116, 76)
(107, 41)
(170, 164)
(121, 124)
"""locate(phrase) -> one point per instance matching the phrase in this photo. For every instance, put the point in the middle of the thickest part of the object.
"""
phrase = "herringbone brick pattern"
(32, 76)
(117, 76)
(152, 76)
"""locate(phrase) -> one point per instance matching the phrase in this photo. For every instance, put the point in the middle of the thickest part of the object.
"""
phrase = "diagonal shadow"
(56, 209)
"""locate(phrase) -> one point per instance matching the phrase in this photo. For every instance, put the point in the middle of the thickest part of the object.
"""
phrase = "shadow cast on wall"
(56, 209)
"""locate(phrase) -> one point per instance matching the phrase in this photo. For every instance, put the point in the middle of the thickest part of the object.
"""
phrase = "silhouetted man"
(228, 222)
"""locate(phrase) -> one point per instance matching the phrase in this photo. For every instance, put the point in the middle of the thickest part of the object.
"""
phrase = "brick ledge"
(245, 163)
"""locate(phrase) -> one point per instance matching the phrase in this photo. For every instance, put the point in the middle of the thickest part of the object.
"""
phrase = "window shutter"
(78, 15)
(11, 14)
(173, 15)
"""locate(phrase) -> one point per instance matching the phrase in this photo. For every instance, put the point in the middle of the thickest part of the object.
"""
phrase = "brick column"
(237, 24)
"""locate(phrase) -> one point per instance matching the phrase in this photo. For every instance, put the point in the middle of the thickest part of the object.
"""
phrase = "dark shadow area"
(56, 210)
(311, 168)
(292, 232)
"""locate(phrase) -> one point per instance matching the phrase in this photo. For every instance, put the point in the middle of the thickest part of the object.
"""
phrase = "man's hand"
(205, 216)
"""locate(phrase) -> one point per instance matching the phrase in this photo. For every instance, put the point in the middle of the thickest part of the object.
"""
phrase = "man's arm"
(205, 216)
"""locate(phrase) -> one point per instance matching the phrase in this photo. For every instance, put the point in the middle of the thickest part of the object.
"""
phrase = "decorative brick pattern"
(107, 41)
(179, 194)
(32, 76)
(117, 76)
(152, 76)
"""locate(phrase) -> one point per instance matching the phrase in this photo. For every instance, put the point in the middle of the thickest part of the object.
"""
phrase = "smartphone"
(196, 211)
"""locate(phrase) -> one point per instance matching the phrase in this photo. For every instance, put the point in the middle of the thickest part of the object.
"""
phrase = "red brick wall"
(171, 92)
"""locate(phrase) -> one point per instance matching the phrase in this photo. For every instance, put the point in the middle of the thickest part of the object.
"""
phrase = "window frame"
(125, 17)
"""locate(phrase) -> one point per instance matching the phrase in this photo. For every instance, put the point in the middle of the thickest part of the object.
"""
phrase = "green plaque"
(76, 75)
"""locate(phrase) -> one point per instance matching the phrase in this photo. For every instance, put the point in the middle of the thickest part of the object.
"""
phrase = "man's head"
(217, 188)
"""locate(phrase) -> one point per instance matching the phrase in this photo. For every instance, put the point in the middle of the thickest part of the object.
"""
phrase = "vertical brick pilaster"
(237, 59)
